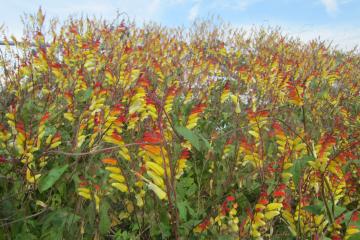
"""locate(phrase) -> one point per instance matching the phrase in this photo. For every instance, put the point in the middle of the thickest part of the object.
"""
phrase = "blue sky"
(336, 20)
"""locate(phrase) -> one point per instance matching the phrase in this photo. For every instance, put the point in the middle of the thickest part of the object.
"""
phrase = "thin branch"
(109, 149)
(24, 218)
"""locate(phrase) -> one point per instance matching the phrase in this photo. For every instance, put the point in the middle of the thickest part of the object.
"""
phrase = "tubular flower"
(188, 96)
(70, 101)
(55, 141)
(157, 69)
(41, 129)
(109, 77)
(298, 146)
(296, 93)
(228, 149)
(137, 103)
(155, 158)
(11, 118)
(235, 100)
(86, 193)
(133, 121)
(258, 223)
(4, 136)
(21, 137)
(80, 134)
(257, 121)
(115, 138)
(249, 154)
(171, 92)
(279, 192)
(303, 216)
(150, 110)
(117, 179)
(30, 177)
(98, 99)
(69, 116)
(195, 115)
(336, 180)
(202, 226)
(156, 168)
(114, 118)
(290, 220)
(323, 151)
(95, 123)
(81, 85)
(131, 77)
(280, 136)
(181, 163)
(226, 218)
(225, 95)
(158, 191)
(272, 210)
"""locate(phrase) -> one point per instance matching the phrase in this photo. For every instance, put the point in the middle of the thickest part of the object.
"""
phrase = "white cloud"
(333, 6)
(234, 4)
(343, 37)
(330, 5)
(194, 11)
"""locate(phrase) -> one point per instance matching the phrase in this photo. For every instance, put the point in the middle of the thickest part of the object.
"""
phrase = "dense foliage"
(112, 131)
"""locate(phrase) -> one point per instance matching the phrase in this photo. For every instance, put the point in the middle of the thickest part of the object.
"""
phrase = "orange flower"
(110, 161)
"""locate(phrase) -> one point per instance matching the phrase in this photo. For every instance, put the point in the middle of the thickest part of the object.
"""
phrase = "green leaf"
(190, 136)
(346, 166)
(206, 143)
(314, 209)
(182, 210)
(355, 236)
(347, 216)
(87, 94)
(298, 167)
(50, 130)
(105, 223)
(57, 222)
(338, 211)
(83, 96)
(165, 230)
(49, 180)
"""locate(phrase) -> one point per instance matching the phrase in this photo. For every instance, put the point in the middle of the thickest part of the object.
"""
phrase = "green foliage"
(49, 180)
(114, 131)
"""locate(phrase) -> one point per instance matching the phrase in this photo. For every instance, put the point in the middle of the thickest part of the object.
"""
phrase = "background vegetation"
(113, 131)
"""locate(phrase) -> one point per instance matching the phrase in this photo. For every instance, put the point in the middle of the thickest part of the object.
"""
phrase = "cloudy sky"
(335, 20)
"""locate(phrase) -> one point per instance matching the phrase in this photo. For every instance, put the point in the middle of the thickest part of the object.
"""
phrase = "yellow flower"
(30, 178)
(120, 186)
(158, 191)
(271, 214)
(274, 206)
(113, 169)
(117, 177)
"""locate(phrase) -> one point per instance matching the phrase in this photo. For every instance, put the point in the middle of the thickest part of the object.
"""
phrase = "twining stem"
(324, 199)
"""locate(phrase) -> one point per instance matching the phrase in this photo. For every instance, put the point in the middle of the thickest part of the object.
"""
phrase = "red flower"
(44, 118)
(97, 85)
(83, 184)
(230, 198)
(279, 192)
(355, 216)
(2, 159)
(204, 224)
(185, 154)
(153, 137)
